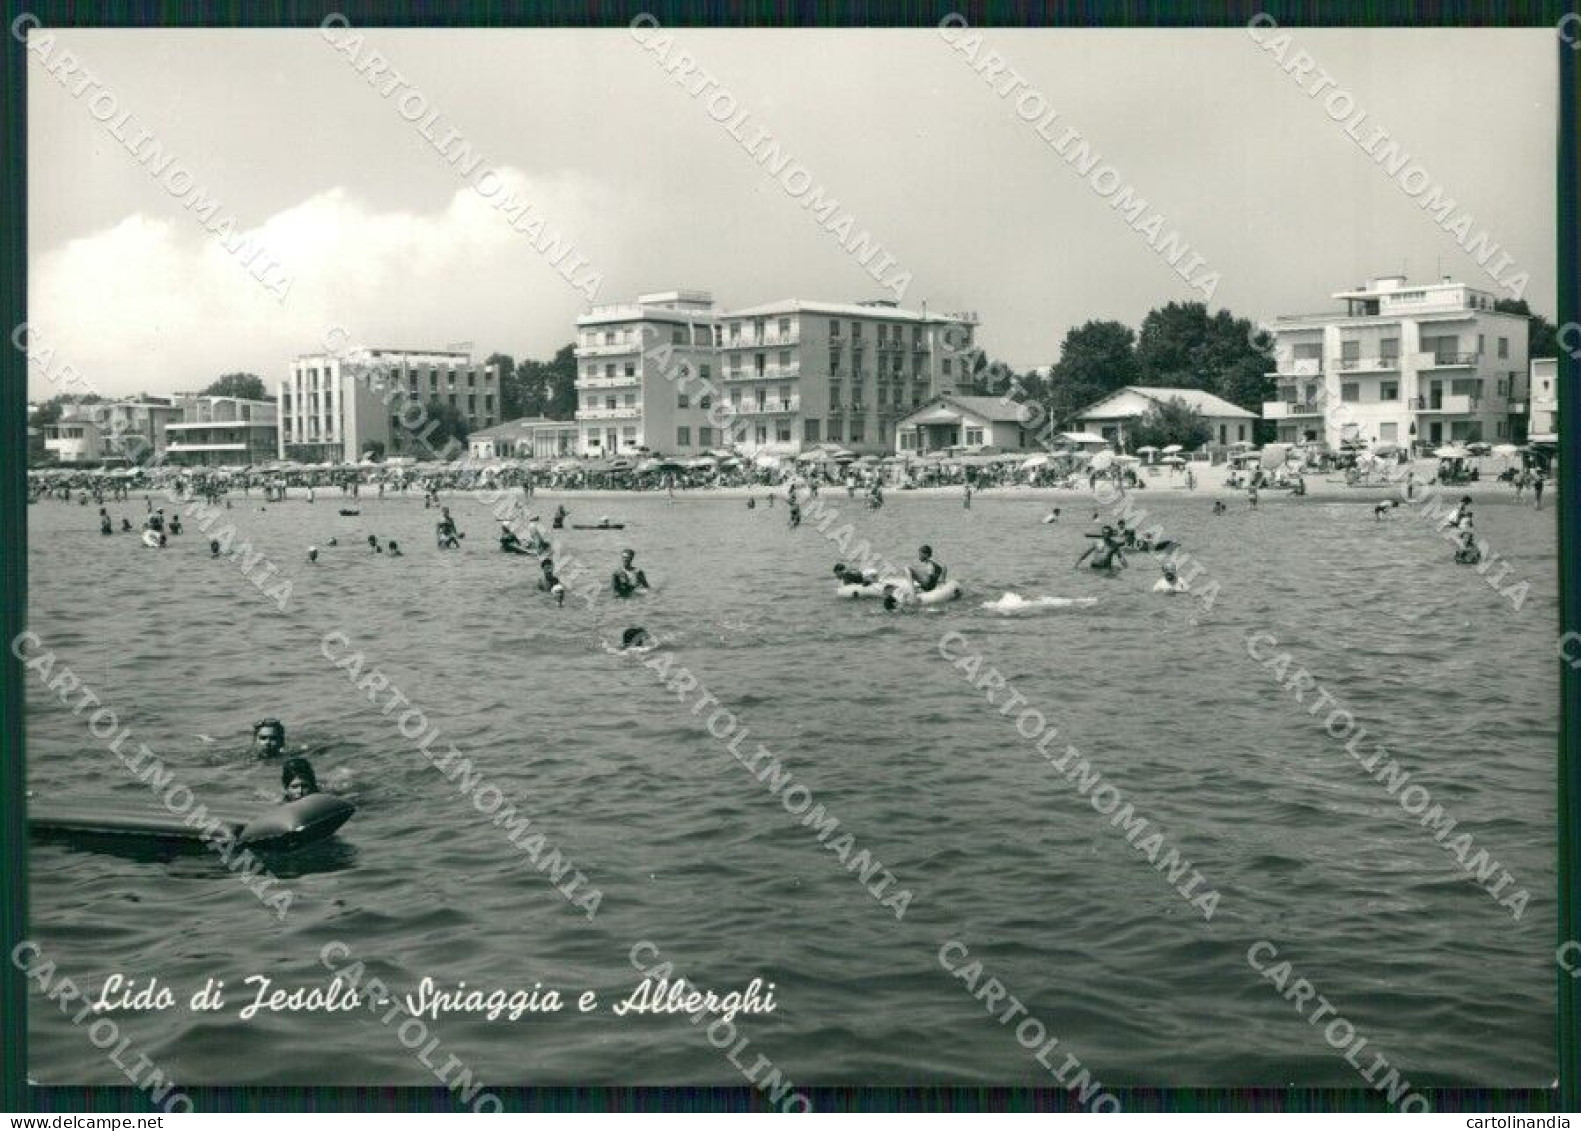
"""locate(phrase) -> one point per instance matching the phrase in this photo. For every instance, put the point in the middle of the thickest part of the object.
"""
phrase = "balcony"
(1369, 364)
(1449, 360)
(1285, 410)
(767, 373)
(767, 341)
(603, 349)
(1449, 402)
(624, 411)
(1518, 408)
(1299, 367)
(767, 408)
(602, 382)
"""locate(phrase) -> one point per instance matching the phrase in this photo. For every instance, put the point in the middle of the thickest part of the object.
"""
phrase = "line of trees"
(530, 387)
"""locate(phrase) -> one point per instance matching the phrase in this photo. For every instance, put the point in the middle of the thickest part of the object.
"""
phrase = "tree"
(445, 428)
(538, 388)
(1095, 359)
(1542, 336)
(1170, 422)
(1182, 346)
(248, 386)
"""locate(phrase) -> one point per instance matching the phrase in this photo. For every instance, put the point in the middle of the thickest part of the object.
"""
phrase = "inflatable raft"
(281, 829)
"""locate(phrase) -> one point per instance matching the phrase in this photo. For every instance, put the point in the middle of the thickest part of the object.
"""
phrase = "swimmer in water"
(1384, 508)
(175, 524)
(551, 584)
(449, 537)
(509, 542)
(214, 547)
(126, 526)
(297, 779)
(332, 542)
(104, 522)
(269, 738)
(1219, 507)
(927, 573)
(635, 638)
(1052, 516)
(628, 578)
(1469, 553)
(558, 522)
(1105, 552)
(395, 549)
(312, 553)
(845, 575)
(373, 544)
(1170, 582)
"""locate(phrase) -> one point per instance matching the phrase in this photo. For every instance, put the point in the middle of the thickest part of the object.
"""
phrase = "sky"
(380, 237)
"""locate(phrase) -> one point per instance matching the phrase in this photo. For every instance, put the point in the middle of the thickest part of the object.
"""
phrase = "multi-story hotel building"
(335, 408)
(624, 399)
(1418, 366)
(792, 373)
(221, 431)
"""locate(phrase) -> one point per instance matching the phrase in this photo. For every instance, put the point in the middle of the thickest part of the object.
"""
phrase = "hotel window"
(609, 337)
(1350, 351)
(609, 371)
(1388, 431)
(735, 365)
(433, 377)
(883, 394)
(631, 369)
(834, 358)
(858, 430)
(704, 371)
(681, 400)
(809, 431)
(856, 394)
(757, 329)
(760, 362)
(705, 402)
(1479, 343)
(1389, 348)
(1388, 390)
(784, 359)
(592, 402)
(908, 441)
(488, 402)
(834, 327)
(631, 400)
(761, 433)
(835, 431)
(1350, 391)
(782, 431)
(856, 328)
(974, 437)
(763, 396)
(472, 378)
(735, 397)
(705, 437)
(683, 437)
(735, 332)
(677, 335)
(1504, 347)
(472, 404)
(610, 403)
(834, 394)
(785, 395)
(628, 434)
(1240, 431)
(946, 366)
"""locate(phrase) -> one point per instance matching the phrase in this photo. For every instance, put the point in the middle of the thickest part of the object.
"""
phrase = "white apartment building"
(221, 431)
(129, 431)
(793, 373)
(1414, 365)
(624, 401)
(336, 408)
(1542, 420)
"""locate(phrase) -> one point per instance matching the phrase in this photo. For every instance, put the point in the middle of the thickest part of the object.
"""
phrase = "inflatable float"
(151, 539)
(1012, 603)
(1164, 585)
(280, 829)
(344, 513)
(598, 526)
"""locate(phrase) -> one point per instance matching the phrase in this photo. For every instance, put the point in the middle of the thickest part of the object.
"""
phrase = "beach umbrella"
(1146, 449)
(567, 465)
(1505, 449)
(1171, 449)
(1035, 461)
(1127, 459)
(1172, 459)
(1101, 460)
(1452, 452)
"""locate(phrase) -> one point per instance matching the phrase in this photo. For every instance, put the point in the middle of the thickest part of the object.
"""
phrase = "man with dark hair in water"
(297, 779)
(269, 738)
(927, 573)
(628, 578)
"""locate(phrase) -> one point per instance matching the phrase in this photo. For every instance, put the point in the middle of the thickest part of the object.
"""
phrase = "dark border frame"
(16, 1095)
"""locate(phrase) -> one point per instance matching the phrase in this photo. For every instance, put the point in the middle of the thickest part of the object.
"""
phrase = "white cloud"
(156, 304)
